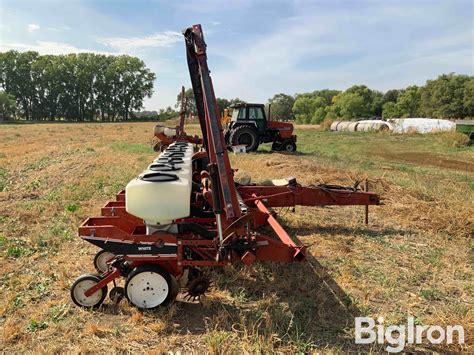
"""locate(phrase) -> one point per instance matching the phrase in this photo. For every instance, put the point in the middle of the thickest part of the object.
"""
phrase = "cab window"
(238, 114)
(255, 113)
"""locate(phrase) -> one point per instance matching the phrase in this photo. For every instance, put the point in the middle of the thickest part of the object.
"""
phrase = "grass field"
(414, 258)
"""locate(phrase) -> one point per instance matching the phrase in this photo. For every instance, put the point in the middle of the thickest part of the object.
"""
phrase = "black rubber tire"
(98, 261)
(117, 294)
(289, 147)
(92, 278)
(277, 146)
(245, 132)
(174, 288)
(227, 136)
(150, 268)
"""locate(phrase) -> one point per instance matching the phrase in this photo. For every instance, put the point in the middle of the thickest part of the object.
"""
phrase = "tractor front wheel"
(245, 135)
(277, 146)
(289, 147)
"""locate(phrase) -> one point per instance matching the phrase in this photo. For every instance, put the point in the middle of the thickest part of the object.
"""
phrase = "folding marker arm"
(213, 139)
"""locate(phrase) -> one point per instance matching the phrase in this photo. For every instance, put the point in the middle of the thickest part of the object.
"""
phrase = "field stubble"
(414, 258)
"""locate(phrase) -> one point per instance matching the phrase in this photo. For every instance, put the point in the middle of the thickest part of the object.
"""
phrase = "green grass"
(382, 154)
(133, 148)
(72, 207)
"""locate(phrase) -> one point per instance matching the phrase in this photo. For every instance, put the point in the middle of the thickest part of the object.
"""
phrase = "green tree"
(222, 104)
(372, 101)
(190, 101)
(444, 97)
(81, 86)
(135, 83)
(376, 106)
(327, 94)
(281, 107)
(390, 110)
(391, 96)
(352, 105)
(468, 101)
(305, 109)
(408, 102)
(7, 106)
(319, 114)
(16, 79)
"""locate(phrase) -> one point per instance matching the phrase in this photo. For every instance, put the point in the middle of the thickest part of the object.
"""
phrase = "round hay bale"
(343, 126)
(352, 127)
(363, 126)
(383, 126)
(334, 125)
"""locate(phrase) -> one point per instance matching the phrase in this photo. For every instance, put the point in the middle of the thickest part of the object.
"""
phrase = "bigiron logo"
(366, 332)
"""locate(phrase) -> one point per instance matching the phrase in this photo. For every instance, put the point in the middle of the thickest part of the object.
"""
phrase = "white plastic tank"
(176, 153)
(162, 193)
(181, 170)
(158, 198)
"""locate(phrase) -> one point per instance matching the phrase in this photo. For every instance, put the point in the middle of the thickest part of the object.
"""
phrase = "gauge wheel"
(81, 285)
(149, 287)
(100, 261)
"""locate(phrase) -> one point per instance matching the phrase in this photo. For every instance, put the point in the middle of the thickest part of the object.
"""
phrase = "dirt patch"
(429, 159)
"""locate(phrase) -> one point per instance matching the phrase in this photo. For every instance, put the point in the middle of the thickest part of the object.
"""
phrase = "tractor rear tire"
(245, 135)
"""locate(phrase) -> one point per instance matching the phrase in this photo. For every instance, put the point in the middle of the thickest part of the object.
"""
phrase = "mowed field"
(415, 258)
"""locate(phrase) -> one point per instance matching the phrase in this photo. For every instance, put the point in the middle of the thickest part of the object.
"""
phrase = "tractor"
(249, 126)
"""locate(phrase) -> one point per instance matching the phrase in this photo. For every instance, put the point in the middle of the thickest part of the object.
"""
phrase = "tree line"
(448, 96)
(73, 87)
(88, 86)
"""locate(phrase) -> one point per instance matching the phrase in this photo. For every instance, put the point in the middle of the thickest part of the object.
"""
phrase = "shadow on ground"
(294, 306)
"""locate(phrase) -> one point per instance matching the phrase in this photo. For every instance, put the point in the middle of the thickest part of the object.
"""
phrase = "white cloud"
(124, 44)
(44, 47)
(32, 27)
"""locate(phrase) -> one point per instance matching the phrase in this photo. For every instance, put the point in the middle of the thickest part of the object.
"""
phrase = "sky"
(257, 48)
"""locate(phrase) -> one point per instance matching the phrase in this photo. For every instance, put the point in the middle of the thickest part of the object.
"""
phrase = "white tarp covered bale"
(421, 125)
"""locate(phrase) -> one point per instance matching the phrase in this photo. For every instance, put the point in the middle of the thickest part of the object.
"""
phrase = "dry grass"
(415, 257)
(326, 124)
(454, 139)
